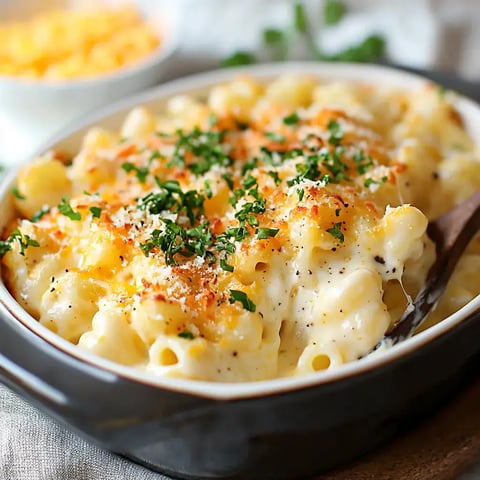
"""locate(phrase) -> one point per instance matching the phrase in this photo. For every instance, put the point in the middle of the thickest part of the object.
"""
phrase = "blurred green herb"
(300, 17)
(43, 211)
(17, 194)
(272, 36)
(96, 212)
(186, 334)
(333, 12)
(370, 49)
(238, 58)
(278, 41)
(292, 119)
(66, 209)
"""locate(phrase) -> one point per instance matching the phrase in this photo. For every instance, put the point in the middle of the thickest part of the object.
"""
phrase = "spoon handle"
(451, 233)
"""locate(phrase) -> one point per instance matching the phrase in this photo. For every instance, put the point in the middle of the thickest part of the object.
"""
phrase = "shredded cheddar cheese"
(68, 44)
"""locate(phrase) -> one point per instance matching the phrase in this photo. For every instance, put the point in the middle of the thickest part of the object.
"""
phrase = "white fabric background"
(421, 33)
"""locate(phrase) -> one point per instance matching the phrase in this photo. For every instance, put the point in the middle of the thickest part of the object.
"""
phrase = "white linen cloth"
(34, 447)
(420, 33)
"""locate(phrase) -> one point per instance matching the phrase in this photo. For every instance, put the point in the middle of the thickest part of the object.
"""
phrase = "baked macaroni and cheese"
(269, 230)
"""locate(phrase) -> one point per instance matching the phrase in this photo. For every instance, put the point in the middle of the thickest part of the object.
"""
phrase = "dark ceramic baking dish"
(276, 429)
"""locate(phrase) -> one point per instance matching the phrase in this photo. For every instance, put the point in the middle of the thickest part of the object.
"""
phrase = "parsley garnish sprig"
(140, 172)
(17, 194)
(66, 209)
(24, 242)
(37, 216)
(336, 232)
(239, 296)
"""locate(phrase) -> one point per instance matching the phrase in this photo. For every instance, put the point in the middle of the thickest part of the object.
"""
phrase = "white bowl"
(111, 117)
(31, 110)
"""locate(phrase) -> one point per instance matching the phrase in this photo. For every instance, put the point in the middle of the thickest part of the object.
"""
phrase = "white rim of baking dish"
(168, 44)
(376, 75)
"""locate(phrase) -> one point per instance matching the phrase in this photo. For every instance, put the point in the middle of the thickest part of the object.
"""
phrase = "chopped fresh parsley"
(178, 240)
(307, 170)
(275, 137)
(5, 246)
(333, 11)
(363, 163)
(171, 186)
(171, 197)
(187, 334)
(334, 163)
(24, 242)
(337, 212)
(274, 175)
(17, 194)
(66, 209)
(228, 178)
(140, 172)
(96, 212)
(43, 211)
(276, 158)
(205, 148)
(249, 209)
(225, 266)
(239, 296)
(371, 181)
(336, 231)
(336, 133)
(249, 181)
(237, 233)
(208, 189)
(300, 193)
(292, 119)
(263, 233)
(249, 165)
(155, 155)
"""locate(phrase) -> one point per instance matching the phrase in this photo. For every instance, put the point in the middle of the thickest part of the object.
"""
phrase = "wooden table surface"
(446, 446)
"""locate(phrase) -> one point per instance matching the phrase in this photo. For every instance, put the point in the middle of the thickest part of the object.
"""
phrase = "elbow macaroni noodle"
(269, 231)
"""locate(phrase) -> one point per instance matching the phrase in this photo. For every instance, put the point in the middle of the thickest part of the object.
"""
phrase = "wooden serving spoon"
(451, 234)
